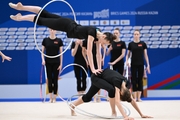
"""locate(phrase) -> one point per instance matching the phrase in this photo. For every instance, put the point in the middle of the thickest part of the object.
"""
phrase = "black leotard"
(67, 25)
(107, 80)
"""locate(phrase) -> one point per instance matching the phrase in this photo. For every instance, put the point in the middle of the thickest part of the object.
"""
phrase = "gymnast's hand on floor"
(128, 118)
(145, 116)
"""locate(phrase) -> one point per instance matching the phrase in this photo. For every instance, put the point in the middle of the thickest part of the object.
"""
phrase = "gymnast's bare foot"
(139, 100)
(99, 99)
(114, 115)
(16, 17)
(72, 111)
(17, 6)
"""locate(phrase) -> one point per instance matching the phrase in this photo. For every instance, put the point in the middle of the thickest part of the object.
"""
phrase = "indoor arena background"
(158, 21)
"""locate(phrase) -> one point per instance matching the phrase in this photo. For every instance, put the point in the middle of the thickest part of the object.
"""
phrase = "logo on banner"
(84, 22)
(114, 22)
(104, 22)
(102, 14)
(94, 22)
(125, 22)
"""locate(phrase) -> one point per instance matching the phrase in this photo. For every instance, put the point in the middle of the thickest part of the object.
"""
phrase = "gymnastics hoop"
(43, 68)
(35, 24)
(41, 94)
(69, 102)
(80, 111)
(74, 64)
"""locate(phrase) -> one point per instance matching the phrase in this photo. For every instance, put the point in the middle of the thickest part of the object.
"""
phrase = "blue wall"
(25, 66)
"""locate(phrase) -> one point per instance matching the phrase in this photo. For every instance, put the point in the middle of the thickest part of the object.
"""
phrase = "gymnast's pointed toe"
(17, 6)
(16, 17)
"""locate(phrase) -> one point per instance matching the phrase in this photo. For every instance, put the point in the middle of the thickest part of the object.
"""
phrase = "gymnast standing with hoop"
(69, 26)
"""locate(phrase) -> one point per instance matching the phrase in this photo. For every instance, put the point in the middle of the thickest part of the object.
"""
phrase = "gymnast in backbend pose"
(4, 57)
(69, 26)
(115, 84)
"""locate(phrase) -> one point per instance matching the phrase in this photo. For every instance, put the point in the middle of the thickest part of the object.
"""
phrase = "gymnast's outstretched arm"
(119, 106)
(4, 57)
(89, 54)
(134, 104)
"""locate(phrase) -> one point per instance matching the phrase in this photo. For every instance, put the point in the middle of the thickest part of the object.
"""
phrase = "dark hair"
(126, 95)
(117, 29)
(137, 30)
(110, 37)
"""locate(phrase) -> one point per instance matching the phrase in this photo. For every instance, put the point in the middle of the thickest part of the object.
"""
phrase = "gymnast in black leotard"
(115, 84)
(67, 25)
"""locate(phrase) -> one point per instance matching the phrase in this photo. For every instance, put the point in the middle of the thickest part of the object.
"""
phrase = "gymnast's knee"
(42, 14)
(85, 98)
(111, 92)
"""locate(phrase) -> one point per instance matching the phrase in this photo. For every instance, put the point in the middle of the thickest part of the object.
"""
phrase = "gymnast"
(4, 57)
(115, 84)
(69, 26)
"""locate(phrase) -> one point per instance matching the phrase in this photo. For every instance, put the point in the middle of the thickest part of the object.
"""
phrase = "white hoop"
(74, 64)
(83, 112)
(36, 24)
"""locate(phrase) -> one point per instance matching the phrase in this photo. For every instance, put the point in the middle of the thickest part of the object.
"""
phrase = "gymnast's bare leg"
(19, 6)
(80, 101)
